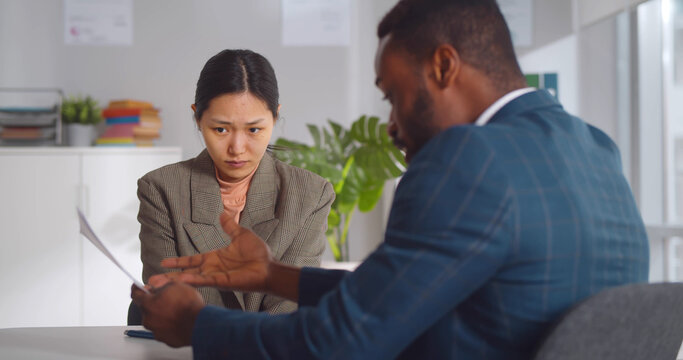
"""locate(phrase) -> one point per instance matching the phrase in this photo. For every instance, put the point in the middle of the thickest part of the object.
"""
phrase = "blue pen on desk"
(139, 334)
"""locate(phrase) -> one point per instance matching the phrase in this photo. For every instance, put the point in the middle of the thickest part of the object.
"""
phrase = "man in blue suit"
(510, 212)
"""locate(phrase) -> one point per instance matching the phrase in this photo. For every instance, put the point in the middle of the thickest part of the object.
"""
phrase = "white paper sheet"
(98, 22)
(316, 22)
(87, 231)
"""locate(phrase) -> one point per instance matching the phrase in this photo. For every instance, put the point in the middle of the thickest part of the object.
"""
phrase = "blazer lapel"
(258, 215)
(259, 211)
(204, 229)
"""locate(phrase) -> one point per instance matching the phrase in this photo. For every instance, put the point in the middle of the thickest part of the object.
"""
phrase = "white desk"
(102, 342)
(67, 343)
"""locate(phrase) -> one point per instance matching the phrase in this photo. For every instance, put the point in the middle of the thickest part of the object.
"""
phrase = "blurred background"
(618, 64)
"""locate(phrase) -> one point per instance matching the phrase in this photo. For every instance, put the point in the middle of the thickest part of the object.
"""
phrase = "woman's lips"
(236, 164)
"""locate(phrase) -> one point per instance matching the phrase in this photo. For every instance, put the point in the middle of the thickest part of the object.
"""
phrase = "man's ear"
(279, 106)
(445, 65)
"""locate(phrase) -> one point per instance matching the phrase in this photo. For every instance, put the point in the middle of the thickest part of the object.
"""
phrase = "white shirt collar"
(493, 109)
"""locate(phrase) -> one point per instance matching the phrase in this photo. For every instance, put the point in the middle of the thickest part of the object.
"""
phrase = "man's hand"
(169, 312)
(243, 265)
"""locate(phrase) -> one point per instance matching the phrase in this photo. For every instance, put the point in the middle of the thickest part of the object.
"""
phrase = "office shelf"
(30, 117)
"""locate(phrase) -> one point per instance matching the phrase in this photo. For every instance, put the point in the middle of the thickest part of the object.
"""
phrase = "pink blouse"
(234, 195)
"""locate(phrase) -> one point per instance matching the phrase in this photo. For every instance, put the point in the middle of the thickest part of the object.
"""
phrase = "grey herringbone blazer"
(180, 206)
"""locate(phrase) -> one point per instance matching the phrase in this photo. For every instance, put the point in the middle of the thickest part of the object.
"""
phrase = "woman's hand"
(243, 265)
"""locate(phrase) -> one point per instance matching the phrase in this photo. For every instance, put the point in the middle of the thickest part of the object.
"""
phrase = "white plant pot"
(80, 135)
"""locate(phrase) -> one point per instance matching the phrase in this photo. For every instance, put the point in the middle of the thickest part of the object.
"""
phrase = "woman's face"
(236, 129)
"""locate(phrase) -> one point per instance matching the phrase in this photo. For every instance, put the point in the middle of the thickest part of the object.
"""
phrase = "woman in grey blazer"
(181, 205)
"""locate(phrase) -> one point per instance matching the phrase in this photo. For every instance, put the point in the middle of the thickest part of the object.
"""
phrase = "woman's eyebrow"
(225, 122)
(220, 122)
(254, 122)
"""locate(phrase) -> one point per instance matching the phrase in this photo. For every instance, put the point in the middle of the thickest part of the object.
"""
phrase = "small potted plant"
(80, 115)
(357, 161)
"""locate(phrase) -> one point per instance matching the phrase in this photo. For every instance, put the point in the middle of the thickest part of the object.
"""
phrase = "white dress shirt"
(493, 109)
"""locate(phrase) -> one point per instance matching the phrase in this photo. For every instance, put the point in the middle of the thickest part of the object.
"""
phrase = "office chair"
(639, 321)
(134, 314)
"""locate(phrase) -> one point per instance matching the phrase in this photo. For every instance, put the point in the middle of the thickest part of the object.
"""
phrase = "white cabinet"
(49, 274)
(111, 205)
(40, 251)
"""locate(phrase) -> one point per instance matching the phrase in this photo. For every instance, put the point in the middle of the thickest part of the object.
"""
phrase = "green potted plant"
(357, 162)
(80, 115)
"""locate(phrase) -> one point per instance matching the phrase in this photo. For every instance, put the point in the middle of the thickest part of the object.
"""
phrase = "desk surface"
(104, 342)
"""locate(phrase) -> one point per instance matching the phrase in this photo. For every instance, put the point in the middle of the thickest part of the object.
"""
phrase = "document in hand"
(87, 231)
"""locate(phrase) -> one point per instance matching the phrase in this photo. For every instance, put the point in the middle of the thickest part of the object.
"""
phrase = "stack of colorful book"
(130, 123)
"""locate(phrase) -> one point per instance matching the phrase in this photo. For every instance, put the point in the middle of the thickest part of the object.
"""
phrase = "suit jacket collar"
(530, 101)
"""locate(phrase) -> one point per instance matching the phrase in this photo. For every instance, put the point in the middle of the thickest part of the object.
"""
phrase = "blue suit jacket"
(494, 232)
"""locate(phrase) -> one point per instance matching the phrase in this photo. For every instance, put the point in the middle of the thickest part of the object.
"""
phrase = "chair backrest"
(639, 321)
(134, 314)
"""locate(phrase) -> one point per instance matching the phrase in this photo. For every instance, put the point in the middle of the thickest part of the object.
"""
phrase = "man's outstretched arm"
(247, 265)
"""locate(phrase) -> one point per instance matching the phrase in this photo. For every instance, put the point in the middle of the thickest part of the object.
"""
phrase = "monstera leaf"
(307, 157)
(377, 155)
(357, 162)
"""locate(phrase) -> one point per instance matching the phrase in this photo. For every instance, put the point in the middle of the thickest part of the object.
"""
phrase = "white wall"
(552, 21)
(591, 11)
(559, 57)
(597, 60)
(672, 71)
(554, 48)
(172, 41)
(651, 151)
(367, 230)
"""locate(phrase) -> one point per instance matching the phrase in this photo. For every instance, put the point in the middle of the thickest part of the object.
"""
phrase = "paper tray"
(26, 118)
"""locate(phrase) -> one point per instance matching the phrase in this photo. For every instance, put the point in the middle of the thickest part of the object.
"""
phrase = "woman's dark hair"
(236, 71)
